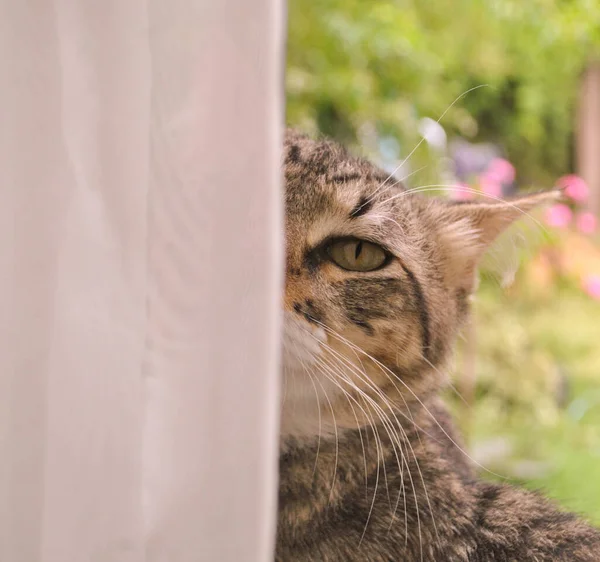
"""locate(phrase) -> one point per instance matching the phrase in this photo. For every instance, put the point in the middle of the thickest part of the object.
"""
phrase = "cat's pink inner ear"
(473, 226)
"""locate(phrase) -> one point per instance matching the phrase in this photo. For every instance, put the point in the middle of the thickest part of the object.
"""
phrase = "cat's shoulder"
(517, 524)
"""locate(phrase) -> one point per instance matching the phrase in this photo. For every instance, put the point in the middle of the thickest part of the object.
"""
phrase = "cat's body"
(377, 287)
(449, 515)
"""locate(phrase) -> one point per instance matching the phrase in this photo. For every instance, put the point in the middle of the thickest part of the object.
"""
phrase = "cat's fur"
(371, 468)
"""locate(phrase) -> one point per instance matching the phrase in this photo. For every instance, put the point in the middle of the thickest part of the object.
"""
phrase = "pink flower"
(501, 170)
(591, 285)
(462, 192)
(575, 187)
(586, 222)
(559, 216)
(490, 185)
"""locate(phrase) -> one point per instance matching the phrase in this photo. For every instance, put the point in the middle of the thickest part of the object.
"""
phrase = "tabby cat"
(378, 284)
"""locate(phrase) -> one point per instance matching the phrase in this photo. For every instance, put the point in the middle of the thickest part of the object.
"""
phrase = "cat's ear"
(470, 227)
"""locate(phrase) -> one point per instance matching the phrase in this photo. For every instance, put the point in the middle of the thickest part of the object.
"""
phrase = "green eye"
(356, 255)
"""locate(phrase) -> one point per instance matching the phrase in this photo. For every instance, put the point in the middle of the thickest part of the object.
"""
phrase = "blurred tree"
(381, 65)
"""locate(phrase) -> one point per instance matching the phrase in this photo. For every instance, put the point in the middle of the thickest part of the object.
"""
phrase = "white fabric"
(140, 248)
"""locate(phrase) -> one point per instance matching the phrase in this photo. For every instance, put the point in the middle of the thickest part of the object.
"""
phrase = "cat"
(378, 284)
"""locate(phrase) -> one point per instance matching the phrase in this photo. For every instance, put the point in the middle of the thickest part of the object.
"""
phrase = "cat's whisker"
(420, 402)
(387, 424)
(348, 381)
(351, 399)
(364, 378)
(379, 456)
(372, 502)
(381, 188)
(452, 187)
(285, 386)
(399, 427)
(294, 392)
(458, 394)
(379, 449)
(355, 348)
(392, 374)
(339, 336)
(446, 378)
(337, 442)
(404, 178)
(389, 219)
(312, 380)
(423, 139)
(378, 411)
(334, 426)
(372, 387)
(394, 184)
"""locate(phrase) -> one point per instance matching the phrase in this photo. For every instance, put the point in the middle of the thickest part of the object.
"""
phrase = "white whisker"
(420, 402)
(351, 399)
(378, 411)
(399, 426)
(452, 187)
(337, 442)
(388, 426)
(312, 380)
(399, 167)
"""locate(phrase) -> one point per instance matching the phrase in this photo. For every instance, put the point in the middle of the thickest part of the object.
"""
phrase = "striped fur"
(371, 468)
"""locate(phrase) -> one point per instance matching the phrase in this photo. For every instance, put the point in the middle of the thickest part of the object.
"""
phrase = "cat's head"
(378, 282)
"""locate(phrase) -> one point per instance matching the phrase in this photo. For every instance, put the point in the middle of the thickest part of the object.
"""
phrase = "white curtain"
(140, 245)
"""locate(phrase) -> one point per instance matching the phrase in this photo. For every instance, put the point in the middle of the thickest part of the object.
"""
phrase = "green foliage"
(355, 65)
(537, 411)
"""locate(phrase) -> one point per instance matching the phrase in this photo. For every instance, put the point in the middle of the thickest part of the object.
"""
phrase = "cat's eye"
(356, 255)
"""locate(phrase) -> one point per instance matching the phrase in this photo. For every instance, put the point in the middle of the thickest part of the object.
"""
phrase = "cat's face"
(377, 285)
